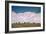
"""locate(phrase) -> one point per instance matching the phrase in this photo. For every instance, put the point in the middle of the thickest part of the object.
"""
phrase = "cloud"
(26, 17)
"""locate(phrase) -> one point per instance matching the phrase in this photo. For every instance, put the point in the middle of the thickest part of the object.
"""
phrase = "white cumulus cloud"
(26, 17)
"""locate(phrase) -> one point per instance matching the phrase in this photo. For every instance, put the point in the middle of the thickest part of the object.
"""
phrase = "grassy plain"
(19, 25)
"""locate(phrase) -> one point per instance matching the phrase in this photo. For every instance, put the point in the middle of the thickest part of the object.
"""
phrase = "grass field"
(19, 25)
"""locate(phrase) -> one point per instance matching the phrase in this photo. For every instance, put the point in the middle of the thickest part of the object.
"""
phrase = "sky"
(22, 9)
(25, 14)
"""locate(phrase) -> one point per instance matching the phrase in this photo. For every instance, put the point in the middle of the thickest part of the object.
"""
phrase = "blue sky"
(22, 9)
